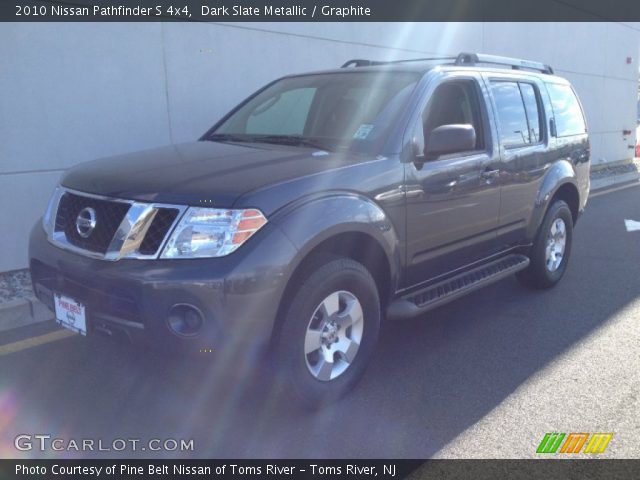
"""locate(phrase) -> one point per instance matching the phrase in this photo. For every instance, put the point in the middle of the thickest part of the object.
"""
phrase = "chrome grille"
(158, 229)
(109, 215)
(123, 228)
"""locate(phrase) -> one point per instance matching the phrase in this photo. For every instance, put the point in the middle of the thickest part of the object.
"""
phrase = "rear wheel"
(550, 252)
(329, 332)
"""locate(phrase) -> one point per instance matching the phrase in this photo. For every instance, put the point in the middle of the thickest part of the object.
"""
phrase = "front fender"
(310, 223)
(560, 173)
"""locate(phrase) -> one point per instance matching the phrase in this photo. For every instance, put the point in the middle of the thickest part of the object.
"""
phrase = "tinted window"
(284, 114)
(514, 129)
(455, 102)
(533, 115)
(566, 110)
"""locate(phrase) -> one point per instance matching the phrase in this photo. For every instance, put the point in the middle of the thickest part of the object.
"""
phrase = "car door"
(523, 139)
(453, 200)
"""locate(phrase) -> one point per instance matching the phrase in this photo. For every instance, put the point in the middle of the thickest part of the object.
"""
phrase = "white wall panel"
(74, 92)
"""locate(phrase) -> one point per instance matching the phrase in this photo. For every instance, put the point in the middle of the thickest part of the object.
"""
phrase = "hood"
(191, 173)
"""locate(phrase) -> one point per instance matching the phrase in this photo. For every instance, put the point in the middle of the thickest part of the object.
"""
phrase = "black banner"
(209, 469)
(320, 10)
(320, 469)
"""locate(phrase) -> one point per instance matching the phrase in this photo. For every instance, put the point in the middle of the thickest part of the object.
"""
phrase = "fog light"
(185, 320)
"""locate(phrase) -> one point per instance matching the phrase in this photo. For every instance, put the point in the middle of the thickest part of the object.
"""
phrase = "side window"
(512, 116)
(566, 110)
(533, 114)
(283, 114)
(454, 102)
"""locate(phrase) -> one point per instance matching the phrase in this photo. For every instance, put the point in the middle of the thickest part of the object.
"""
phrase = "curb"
(23, 311)
(613, 181)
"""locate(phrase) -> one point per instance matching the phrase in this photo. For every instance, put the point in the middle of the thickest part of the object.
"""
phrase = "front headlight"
(212, 232)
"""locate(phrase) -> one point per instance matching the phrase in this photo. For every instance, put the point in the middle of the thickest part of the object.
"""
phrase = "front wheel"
(550, 252)
(329, 332)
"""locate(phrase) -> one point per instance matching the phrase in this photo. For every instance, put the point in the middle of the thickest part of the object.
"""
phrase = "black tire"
(320, 281)
(538, 275)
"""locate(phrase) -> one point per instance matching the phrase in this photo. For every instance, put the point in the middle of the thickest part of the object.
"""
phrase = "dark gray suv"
(321, 206)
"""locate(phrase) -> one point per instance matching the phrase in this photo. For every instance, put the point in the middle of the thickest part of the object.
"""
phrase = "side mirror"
(450, 139)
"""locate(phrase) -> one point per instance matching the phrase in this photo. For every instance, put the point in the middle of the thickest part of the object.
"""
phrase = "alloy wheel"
(333, 335)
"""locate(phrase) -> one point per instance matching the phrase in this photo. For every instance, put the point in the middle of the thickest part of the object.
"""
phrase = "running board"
(443, 292)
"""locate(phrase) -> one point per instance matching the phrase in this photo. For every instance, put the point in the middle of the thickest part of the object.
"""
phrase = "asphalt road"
(486, 376)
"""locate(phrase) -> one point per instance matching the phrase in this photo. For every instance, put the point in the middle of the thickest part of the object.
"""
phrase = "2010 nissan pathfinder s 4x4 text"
(321, 206)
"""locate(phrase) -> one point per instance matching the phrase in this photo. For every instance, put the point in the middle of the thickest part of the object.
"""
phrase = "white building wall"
(78, 91)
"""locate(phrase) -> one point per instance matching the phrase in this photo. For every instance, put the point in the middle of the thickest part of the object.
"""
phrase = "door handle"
(489, 174)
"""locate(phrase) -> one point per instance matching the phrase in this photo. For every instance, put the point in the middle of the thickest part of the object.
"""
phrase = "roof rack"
(358, 62)
(514, 63)
(466, 59)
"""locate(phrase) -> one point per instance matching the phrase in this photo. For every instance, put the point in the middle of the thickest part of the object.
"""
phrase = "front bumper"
(238, 294)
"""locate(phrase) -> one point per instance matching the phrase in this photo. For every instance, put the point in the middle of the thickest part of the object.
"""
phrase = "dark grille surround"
(158, 230)
(109, 214)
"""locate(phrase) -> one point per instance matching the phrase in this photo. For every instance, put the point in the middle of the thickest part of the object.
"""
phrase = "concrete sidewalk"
(23, 311)
(19, 307)
(605, 183)
(614, 175)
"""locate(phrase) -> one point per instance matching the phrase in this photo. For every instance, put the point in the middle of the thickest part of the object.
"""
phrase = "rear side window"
(566, 110)
(518, 113)
(533, 114)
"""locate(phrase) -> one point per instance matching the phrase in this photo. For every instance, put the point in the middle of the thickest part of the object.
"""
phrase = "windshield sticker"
(363, 131)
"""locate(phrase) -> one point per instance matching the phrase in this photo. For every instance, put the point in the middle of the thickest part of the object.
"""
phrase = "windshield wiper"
(229, 137)
(294, 140)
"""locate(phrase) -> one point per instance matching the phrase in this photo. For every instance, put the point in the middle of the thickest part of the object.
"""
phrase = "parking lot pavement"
(486, 376)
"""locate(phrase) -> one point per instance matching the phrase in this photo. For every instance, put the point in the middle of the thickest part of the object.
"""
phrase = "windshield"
(337, 111)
